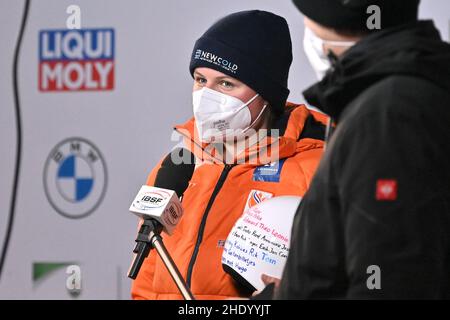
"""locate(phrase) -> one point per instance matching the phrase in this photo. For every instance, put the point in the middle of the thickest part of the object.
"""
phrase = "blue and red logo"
(76, 60)
(257, 196)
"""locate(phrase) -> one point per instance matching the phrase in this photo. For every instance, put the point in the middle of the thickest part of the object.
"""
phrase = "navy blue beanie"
(253, 47)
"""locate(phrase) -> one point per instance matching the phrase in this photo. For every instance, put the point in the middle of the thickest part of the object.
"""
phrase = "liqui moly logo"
(76, 60)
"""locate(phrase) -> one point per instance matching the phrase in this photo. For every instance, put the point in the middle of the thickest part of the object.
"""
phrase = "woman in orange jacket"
(249, 145)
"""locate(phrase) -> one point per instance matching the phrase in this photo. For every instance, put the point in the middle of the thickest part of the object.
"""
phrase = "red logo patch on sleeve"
(386, 189)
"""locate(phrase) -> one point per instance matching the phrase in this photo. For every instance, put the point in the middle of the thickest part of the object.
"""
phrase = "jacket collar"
(283, 143)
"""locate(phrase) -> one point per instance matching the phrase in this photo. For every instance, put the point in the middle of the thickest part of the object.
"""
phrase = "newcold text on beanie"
(253, 47)
(351, 15)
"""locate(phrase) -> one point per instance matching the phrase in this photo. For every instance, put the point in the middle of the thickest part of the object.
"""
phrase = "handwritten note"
(259, 241)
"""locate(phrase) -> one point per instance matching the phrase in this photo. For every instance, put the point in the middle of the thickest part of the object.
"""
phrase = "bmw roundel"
(75, 178)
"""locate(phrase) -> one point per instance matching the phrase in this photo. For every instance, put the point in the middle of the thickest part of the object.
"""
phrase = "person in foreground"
(249, 145)
(375, 222)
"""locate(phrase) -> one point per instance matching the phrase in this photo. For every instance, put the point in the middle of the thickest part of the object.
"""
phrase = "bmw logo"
(75, 178)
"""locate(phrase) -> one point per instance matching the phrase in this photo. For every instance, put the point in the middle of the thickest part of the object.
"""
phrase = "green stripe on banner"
(43, 269)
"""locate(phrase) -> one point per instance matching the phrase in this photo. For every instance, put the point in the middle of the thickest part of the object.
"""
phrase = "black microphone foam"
(176, 171)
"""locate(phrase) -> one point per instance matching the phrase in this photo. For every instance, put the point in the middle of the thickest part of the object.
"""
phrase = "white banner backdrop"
(85, 153)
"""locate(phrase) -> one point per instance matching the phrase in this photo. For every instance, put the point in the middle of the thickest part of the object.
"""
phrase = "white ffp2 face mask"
(219, 116)
(313, 46)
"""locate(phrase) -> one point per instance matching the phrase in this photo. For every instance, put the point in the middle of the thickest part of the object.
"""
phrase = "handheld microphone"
(161, 201)
(161, 210)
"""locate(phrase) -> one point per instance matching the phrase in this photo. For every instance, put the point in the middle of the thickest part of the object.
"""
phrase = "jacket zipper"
(201, 230)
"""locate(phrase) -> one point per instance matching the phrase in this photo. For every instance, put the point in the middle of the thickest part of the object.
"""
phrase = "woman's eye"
(227, 84)
(200, 80)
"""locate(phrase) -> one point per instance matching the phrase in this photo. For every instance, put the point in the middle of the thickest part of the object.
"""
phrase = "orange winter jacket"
(217, 196)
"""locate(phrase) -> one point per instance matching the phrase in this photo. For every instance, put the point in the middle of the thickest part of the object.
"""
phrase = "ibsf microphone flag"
(159, 204)
(76, 60)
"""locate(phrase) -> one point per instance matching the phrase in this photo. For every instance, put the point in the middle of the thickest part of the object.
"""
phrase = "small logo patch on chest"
(386, 190)
(269, 172)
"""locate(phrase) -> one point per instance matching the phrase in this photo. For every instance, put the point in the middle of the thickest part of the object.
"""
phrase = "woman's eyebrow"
(226, 77)
(196, 73)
